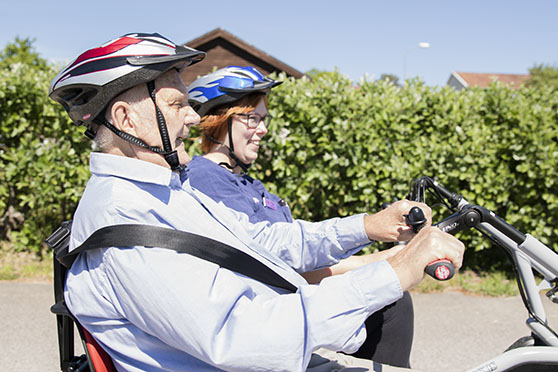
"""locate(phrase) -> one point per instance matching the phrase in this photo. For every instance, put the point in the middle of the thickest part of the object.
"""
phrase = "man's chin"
(183, 158)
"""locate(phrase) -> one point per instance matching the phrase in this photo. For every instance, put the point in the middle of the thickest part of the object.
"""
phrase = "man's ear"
(124, 117)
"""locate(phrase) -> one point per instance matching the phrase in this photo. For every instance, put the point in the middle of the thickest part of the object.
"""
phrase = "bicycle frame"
(528, 255)
(531, 254)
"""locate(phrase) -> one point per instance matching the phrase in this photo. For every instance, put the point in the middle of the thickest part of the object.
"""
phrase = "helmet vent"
(85, 97)
(70, 94)
(78, 96)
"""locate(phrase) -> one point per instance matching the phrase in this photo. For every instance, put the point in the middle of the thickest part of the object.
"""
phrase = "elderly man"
(153, 309)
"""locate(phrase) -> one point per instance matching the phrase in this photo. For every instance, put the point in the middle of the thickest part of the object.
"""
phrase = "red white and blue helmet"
(225, 86)
(87, 85)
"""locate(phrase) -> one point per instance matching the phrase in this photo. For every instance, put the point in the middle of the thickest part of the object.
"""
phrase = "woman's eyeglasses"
(252, 120)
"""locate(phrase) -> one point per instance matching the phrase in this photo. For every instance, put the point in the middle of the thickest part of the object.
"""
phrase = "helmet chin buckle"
(172, 160)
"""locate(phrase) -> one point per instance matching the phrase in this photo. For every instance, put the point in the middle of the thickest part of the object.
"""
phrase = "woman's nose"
(262, 127)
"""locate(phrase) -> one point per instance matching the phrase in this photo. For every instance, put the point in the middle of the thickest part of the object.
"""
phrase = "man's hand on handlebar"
(389, 225)
(429, 244)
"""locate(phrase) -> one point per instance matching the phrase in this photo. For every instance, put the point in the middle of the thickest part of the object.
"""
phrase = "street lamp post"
(421, 45)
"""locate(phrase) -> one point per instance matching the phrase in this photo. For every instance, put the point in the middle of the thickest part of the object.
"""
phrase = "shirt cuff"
(351, 234)
(378, 283)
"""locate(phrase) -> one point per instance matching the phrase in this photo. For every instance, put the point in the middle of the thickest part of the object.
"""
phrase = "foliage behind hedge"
(334, 148)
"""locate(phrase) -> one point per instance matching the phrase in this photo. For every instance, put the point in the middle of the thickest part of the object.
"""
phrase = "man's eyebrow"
(178, 98)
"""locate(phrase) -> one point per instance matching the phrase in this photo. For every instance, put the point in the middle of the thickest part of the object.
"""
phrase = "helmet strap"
(233, 156)
(127, 137)
(89, 133)
(223, 163)
(171, 156)
(226, 165)
(230, 147)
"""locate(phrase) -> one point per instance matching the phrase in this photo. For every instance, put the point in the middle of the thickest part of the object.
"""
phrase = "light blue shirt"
(154, 309)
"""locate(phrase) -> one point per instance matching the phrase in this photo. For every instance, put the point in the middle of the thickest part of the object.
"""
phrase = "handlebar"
(526, 252)
(418, 192)
(465, 216)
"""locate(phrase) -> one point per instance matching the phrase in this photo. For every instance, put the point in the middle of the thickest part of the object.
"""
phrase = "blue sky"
(356, 37)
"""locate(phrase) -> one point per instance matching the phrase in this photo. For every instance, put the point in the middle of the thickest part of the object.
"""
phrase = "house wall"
(455, 83)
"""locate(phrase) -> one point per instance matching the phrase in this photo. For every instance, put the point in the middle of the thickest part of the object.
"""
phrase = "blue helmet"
(226, 86)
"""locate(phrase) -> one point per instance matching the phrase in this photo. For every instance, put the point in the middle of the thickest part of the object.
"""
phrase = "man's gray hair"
(104, 139)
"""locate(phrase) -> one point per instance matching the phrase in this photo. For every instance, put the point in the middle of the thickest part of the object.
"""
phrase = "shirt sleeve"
(220, 317)
(311, 245)
(303, 245)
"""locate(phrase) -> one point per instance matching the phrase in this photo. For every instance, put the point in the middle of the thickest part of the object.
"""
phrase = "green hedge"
(334, 148)
(43, 158)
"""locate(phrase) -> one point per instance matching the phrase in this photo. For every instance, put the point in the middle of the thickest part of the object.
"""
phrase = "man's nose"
(192, 117)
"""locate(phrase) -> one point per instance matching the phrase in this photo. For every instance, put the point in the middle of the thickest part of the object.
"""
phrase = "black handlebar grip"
(441, 269)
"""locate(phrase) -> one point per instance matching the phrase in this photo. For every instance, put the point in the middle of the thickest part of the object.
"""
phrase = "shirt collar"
(132, 169)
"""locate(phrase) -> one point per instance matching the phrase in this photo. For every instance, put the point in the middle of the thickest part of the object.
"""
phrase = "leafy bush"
(43, 157)
(543, 76)
(338, 149)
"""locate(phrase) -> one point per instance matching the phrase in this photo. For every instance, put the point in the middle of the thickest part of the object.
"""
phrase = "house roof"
(469, 79)
(224, 49)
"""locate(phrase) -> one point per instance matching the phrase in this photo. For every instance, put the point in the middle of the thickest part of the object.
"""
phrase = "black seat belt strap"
(184, 242)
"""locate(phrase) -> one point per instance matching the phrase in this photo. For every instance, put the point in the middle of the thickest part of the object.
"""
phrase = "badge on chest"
(269, 203)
